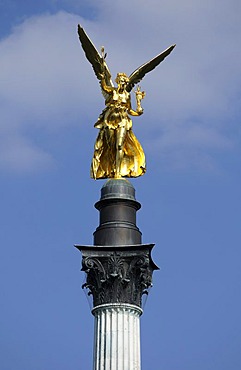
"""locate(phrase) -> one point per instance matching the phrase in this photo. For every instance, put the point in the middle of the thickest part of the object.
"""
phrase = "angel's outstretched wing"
(140, 72)
(97, 61)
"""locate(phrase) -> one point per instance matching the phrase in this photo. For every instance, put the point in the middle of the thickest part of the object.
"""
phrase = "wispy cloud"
(39, 84)
(191, 98)
(20, 155)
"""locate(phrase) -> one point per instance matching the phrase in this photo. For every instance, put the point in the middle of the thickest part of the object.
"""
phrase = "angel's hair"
(121, 74)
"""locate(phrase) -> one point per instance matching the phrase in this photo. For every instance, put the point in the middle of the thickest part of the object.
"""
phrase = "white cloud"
(19, 155)
(38, 66)
(39, 73)
(46, 82)
(188, 147)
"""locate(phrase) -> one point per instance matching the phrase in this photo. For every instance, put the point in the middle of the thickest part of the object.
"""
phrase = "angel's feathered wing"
(140, 72)
(97, 61)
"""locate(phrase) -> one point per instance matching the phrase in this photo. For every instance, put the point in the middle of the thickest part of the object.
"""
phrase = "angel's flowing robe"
(115, 125)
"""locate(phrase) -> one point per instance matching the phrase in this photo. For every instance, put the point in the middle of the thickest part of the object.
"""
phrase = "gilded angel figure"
(117, 152)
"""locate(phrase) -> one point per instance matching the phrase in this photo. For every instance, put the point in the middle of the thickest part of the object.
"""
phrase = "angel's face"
(122, 79)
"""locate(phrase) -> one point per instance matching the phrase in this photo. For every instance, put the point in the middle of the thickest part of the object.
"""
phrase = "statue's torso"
(121, 98)
(115, 114)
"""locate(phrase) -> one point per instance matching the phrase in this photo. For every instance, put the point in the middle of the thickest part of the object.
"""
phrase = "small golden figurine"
(117, 152)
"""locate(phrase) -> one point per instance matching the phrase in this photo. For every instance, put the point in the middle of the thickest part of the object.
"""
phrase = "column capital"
(118, 274)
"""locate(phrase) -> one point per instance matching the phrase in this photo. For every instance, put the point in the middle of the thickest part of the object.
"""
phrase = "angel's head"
(122, 79)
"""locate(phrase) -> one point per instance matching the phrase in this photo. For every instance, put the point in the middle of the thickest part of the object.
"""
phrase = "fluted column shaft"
(117, 337)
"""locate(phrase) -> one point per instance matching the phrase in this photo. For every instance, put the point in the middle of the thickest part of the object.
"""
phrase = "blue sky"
(190, 195)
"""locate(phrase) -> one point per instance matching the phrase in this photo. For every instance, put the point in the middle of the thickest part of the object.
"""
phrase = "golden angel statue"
(117, 152)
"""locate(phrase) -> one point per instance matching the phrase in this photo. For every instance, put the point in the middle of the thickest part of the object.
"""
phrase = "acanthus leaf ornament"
(118, 276)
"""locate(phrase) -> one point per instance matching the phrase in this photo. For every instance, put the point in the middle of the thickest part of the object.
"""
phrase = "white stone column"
(117, 337)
